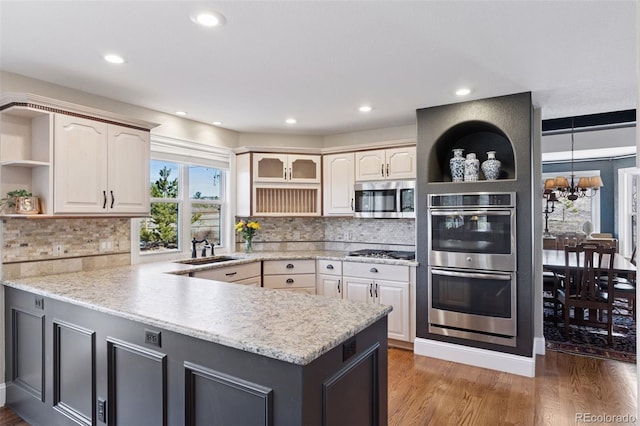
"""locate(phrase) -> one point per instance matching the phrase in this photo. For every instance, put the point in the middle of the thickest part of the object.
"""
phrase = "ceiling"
(318, 61)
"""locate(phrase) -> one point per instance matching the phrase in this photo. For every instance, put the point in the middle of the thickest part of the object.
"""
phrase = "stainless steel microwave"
(385, 199)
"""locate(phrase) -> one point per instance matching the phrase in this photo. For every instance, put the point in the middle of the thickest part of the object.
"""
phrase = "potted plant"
(22, 201)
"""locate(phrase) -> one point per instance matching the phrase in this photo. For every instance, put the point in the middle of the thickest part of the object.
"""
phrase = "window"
(186, 200)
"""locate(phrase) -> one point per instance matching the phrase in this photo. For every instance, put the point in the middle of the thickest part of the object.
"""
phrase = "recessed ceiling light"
(114, 59)
(291, 121)
(217, 123)
(463, 91)
(365, 108)
(181, 113)
(209, 19)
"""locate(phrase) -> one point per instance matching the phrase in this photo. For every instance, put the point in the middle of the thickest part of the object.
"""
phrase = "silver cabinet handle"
(290, 266)
(352, 204)
(374, 270)
(289, 280)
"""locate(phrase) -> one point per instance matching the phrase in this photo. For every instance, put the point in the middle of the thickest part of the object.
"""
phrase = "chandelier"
(567, 188)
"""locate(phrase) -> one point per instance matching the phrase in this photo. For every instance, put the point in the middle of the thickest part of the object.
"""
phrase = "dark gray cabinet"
(70, 365)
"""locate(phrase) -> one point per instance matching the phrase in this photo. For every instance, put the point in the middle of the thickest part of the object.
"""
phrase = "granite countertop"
(291, 327)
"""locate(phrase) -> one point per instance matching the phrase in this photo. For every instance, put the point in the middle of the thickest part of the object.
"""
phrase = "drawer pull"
(230, 274)
(289, 265)
(329, 266)
(374, 270)
(289, 280)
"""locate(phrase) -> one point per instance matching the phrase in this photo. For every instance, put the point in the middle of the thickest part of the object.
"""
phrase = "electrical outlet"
(106, 245)
(39, 302)
(152, 337)
(57, 249)
(102, 410)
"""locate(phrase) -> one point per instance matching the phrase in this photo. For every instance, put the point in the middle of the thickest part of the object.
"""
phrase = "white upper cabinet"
(278, 168)
(339, 175)
(382, 164)
(100, 167)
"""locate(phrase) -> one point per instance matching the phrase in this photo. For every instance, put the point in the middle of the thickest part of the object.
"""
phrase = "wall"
(169, 125)
(328, 233)
(29, 246)
(301, 143)
(369, 137)
(608, 195)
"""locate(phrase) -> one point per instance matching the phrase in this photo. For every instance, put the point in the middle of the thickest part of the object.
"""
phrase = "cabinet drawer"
(288, 267)
(289, 281)
(376, 271)
(231, 273)
(329, 267)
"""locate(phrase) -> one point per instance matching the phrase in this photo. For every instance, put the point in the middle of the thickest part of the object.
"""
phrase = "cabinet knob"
(469, 259)
(289, 280)
(329, 266)
(374, 270)
(289, 265)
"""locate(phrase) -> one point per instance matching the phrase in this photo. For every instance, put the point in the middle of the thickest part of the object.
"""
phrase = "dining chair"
(581, 292)
(624, 286)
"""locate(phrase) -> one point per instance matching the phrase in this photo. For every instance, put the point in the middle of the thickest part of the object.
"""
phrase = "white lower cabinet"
(247, 274)
(370, 283)
(329, 278)
(293, 275)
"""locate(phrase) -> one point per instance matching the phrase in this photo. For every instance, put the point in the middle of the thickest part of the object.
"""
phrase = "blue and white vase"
(456, 164)
(491, 166)
(471, 168)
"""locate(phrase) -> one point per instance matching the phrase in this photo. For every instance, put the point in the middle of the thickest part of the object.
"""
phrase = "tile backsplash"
(329, 233)
(44, 246)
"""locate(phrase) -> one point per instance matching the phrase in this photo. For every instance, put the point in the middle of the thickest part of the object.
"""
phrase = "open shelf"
(477, 137)
(25, 163)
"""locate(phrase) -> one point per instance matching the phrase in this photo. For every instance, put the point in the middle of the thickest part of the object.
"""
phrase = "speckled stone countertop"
(291, 327)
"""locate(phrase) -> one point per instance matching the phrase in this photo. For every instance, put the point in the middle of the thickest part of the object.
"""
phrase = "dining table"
(554, 260)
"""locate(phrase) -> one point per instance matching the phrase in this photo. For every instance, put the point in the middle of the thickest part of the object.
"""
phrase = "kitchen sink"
(207, 260)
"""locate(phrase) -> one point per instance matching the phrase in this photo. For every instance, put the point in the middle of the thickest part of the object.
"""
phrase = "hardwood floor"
(427, 391)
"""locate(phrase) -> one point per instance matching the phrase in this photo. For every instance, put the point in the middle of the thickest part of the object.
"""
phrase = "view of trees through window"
(178, 193)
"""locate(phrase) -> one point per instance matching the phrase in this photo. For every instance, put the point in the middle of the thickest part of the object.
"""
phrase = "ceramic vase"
(248, 246)
(456, 164)
(491, 166)
(471, 168)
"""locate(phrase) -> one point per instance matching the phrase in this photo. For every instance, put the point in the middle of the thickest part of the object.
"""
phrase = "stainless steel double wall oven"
(472, 266)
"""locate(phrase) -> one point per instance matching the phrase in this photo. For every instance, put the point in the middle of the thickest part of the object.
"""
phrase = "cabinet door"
(269, 168)
(303, 168)
(329, 285)
(129, 158)
(339, 174)
(358, 289)
(370, 165)
(80, 165)
(401, 163)
(395, 294)
(252, 282)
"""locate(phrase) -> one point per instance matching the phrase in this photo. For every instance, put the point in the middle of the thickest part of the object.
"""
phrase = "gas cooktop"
(384, 254)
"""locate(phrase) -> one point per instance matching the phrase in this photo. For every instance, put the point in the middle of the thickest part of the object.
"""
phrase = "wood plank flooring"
(427, 391)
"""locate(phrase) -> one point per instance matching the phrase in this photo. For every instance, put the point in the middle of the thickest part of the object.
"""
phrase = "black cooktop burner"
(384, 254)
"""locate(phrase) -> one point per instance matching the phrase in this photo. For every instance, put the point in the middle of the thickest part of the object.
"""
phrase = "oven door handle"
(502, 277)
(470, 212)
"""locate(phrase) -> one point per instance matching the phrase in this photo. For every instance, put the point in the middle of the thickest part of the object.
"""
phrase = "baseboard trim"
(539, 345)
(499, 361)
(3, 394)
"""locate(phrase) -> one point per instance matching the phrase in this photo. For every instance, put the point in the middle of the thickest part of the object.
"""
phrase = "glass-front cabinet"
(286, 168)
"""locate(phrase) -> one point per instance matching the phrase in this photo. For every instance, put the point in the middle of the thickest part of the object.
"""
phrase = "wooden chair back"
(584, 265)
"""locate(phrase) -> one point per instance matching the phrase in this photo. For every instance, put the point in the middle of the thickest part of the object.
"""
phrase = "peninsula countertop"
(292, 327)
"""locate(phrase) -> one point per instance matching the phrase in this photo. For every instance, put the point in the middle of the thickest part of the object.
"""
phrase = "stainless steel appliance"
(475, 231)
(472, 273)
(384, 254)
(385, 199)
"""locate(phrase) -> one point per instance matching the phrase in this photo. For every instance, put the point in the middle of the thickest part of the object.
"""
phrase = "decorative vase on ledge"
(471, 168)
(491, 166)
(456, 164)
(248, 246)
